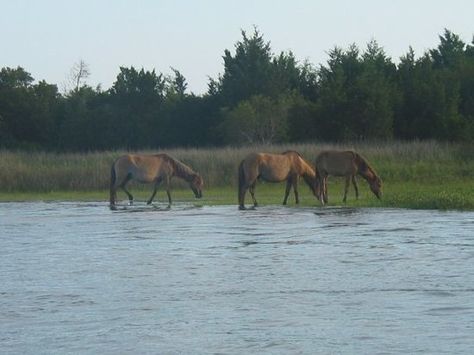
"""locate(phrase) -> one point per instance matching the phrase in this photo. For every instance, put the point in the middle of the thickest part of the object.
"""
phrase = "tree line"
(260, 97)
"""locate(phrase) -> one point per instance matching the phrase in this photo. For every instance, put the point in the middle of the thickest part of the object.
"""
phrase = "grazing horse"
(154, 169)
(348, 164)
(287, 166)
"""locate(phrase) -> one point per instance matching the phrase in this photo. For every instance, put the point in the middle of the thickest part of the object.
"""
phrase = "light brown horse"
(287, 166)
(156, 169)
(348, 164)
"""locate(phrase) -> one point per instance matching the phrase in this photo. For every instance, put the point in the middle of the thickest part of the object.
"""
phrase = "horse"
(288, 166)
(348, 164)
(156, 169)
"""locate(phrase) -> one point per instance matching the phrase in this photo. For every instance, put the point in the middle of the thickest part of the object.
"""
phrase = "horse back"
(144, 168)
(337, 163)
(267, 166)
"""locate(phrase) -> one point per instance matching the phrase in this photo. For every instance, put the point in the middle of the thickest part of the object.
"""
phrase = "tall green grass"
(415, 174)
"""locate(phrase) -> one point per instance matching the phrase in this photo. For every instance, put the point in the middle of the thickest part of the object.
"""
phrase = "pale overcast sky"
(46, 37)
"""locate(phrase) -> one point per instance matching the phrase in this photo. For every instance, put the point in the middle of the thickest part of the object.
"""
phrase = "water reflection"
(76, 277)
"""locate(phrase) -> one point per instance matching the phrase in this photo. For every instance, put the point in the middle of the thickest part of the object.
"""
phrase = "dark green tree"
(255, 74)
(76, 131)
(357, 94)
(436, 93)
(177, 84)
(248, 72)
(136, 98)
(450, 51)
(185, 118)
(28, 110)
(259, 119)
(255, 70)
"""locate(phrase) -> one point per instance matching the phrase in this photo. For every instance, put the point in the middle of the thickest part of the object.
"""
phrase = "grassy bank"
(415, 174)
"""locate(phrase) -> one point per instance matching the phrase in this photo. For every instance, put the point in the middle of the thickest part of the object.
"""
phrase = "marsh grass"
(415, 174)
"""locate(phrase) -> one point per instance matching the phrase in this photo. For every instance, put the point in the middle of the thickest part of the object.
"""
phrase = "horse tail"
(113, 180)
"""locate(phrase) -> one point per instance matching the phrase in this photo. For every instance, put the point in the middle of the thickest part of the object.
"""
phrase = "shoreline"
(456, 196)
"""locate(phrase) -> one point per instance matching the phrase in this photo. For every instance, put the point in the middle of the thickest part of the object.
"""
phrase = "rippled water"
(78, 278)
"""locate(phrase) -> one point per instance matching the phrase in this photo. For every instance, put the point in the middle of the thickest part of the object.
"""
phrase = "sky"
(48, 37)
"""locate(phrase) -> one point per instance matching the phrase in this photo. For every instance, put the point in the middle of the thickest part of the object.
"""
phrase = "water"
(78, 278)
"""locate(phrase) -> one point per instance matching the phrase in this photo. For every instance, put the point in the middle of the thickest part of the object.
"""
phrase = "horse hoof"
(113, 208)
(242, 208)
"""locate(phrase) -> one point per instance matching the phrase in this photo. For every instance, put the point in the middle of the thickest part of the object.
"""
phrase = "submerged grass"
(428, 175)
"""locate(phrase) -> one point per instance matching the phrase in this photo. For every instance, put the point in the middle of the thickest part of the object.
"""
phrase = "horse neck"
(182, 171)
(365, 170)
(369, 175)
(309, 179)
(308, 173)
(306, 168)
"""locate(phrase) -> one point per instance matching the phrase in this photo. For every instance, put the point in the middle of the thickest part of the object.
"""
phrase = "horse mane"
(180, 169)
(291, 151)
(297, 153)
(309, 178)
(364, 166)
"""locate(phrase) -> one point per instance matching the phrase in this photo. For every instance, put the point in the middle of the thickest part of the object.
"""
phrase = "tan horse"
(348, 164)
(156, 169)
(287, 166)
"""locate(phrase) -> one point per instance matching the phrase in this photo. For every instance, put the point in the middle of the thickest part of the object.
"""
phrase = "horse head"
(376, 186)
(316, 187)
(313, 182)
(196, 185)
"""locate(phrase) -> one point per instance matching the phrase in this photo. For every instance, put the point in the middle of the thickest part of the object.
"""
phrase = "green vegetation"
(428, 175)
(260, 98)
(61, 145)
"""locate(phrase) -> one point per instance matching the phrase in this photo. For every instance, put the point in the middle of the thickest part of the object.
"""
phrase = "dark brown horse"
(156, 169)
(287, 166)
(348, 164)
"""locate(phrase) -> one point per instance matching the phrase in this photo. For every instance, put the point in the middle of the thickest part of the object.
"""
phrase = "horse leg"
(155, 189)
(113, 197)
(287, 190)
(346, 188)
(122, 186)
(326, 189)
(130, 196)
(356, 188)
(323, 189)
(320, 184)
(252, 193)
(168, 192)
(295, 189)
(242, 191)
